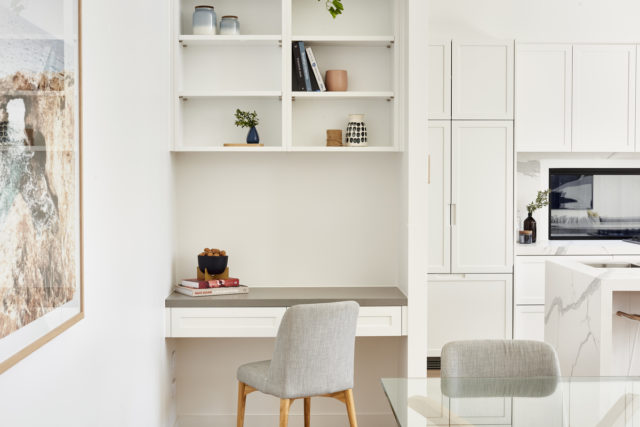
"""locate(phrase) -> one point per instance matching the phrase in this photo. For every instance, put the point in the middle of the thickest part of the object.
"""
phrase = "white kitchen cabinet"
(439, 77)
(482, 80)
(637, 122)
(529, 279)
(471, 306)
(482, 197)
(439, 179)
(543, 84)
(528, 322)
(604, 78)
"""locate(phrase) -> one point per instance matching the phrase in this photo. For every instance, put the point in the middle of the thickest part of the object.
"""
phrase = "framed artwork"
(41, 290)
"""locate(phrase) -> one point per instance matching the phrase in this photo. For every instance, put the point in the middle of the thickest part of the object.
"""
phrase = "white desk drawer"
(226, 322)
(379, 322)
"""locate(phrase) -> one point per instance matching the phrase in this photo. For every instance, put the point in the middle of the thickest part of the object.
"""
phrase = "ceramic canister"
(336, 80)
(205, 20)
(356, 135)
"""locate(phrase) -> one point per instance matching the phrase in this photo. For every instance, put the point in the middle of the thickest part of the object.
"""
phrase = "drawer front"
(379, 322)
(528, 322)
(468, 307)
(226, 322)
(249, 322)
(529, 280)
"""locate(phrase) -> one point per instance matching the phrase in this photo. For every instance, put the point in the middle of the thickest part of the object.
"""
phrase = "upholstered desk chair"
(498, 359)
(313, 356)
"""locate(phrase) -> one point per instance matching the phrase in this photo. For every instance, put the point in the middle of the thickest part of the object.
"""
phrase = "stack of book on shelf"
(306, 74)
(203, 288)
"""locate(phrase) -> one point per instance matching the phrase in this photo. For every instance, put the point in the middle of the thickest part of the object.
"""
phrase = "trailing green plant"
(334, 7)
(246, 119)
(542, 199)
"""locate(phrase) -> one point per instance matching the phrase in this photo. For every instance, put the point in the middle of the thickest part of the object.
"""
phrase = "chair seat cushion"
(255, 374)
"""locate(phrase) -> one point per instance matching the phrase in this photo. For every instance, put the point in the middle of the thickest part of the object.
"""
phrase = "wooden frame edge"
(26, 351)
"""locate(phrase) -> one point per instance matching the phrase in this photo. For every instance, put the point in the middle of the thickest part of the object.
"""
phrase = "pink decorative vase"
(336, 80)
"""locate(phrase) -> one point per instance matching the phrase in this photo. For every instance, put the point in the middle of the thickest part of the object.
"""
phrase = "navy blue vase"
(252, 136)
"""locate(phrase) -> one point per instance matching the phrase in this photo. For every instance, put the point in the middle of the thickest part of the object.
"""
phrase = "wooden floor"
(433, 373)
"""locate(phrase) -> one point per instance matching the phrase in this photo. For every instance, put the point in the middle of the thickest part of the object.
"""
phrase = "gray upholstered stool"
(498, 359)
(313, 356)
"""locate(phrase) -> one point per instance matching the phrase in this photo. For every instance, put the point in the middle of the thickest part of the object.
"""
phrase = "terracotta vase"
(336, 80)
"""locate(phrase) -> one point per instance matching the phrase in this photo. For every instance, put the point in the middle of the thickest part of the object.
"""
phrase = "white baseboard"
(252, 420)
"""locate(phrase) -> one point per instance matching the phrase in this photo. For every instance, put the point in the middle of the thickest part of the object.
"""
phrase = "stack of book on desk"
(202, 288)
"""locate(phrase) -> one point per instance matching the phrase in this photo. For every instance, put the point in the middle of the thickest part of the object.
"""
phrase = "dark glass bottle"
(530, 224)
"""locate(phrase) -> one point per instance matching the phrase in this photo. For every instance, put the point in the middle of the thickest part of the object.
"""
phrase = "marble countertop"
(287, 296)
(577, 247)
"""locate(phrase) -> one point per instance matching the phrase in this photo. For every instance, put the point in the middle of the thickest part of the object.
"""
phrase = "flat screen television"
(594, 203)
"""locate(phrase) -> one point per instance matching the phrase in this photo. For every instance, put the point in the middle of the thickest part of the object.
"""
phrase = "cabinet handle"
(628, 316)
(429, 169)
(453, 214)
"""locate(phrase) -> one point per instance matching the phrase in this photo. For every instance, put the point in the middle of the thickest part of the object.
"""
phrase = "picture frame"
(41, 241)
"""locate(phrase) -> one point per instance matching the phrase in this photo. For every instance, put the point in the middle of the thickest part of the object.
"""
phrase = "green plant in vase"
(334, 7)
(542, 200)
(246, 119)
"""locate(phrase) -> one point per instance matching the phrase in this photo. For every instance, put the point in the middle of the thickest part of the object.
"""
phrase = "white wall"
(292, 218)
(111, 369)
(536, 20)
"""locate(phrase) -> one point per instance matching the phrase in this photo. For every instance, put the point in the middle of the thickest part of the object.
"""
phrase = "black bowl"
(213, 264)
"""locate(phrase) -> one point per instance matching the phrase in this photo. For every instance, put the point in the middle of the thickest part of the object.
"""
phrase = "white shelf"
(230, 94)
(343, 95)
(241, 40)
(355, 41)
(346, 149)
(219, 149)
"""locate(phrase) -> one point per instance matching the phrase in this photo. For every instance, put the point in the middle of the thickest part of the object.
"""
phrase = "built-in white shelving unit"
(221, 40)
(215, 75)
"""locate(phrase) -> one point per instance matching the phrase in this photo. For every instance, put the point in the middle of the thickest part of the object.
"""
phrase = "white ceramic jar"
(205, 21)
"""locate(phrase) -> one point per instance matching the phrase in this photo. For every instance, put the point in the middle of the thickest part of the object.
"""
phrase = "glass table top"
(518, 402)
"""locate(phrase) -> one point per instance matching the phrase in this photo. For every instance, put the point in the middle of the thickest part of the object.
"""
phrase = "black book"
(298, 75)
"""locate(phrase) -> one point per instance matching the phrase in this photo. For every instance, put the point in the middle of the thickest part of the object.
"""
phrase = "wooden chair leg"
(307, 412)
(242, 400)
(285, 404)
(351, 408)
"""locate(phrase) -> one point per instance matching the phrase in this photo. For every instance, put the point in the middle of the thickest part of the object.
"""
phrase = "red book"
(205, 284)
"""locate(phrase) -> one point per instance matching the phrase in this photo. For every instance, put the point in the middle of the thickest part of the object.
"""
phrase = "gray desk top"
(288, 296)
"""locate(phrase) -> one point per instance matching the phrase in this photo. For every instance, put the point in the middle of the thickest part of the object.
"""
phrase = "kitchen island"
(581, 302)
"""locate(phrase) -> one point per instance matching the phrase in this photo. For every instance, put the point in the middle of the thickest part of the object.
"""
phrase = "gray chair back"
(314, 350)
(498, 359)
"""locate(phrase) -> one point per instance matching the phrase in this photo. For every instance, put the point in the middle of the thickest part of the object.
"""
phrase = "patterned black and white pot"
(356, 135)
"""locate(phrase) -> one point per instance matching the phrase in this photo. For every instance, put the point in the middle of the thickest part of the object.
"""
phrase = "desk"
(258, 313)
(530, 402)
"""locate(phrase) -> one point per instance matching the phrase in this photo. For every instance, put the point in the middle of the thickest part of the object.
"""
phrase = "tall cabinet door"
(482, 80)
(604, 78)
(439, 80)
(543, 97)
(482, 197)
(439, 152)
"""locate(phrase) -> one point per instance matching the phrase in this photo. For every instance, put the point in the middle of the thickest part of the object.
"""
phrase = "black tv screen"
(594, 203)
